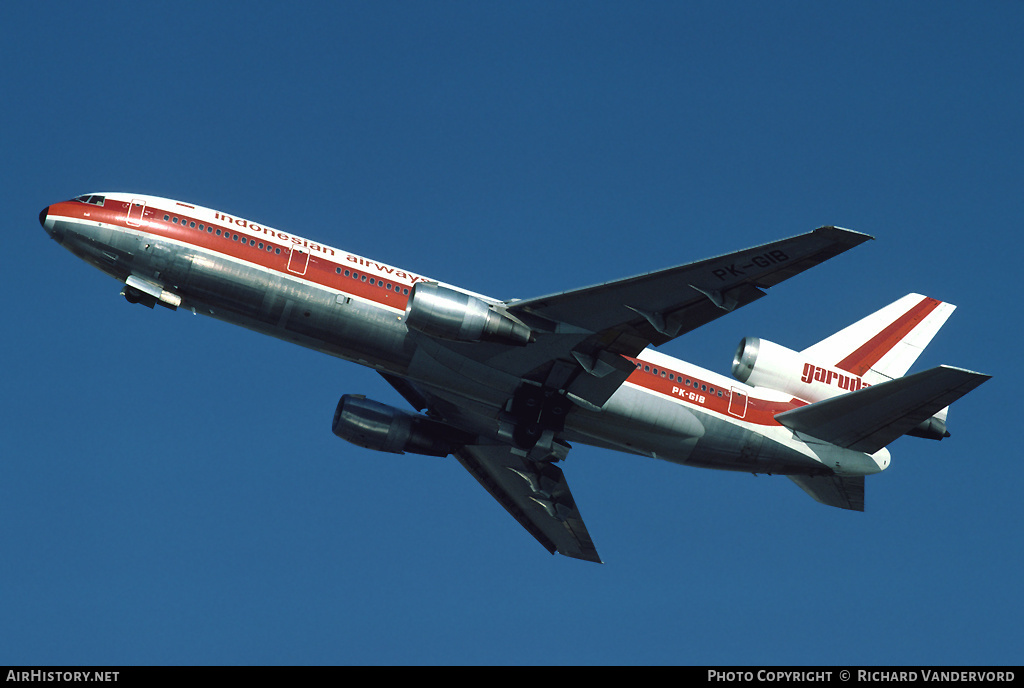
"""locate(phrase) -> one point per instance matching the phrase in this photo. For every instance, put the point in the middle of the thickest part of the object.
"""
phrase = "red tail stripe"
(861, 360)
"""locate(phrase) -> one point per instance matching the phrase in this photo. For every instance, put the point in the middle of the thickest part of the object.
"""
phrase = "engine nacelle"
(933, 428)
(377, 426)
(448, 314)
(761, 363)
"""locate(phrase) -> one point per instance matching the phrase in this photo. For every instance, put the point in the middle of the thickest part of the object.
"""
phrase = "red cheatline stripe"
(861, 360)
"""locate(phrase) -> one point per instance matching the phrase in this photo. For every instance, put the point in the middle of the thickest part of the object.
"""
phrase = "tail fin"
(885, 344)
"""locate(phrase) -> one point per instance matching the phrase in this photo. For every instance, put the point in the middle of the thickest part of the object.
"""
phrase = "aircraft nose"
(48, 224)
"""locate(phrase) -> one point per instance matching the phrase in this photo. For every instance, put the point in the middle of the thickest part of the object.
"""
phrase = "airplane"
(507, 386)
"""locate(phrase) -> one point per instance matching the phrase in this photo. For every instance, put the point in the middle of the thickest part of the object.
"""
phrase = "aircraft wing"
(629, 314)
(535, 493)
(581, 336)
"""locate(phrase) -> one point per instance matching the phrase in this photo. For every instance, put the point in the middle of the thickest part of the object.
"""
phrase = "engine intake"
(761, 363)
(448, 314)
(377, 426)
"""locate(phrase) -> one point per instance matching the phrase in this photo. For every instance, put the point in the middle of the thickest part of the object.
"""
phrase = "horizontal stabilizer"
(871, 418)
(834, 490)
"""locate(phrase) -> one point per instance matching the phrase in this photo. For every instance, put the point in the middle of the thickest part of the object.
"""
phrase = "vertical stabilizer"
(886, 343)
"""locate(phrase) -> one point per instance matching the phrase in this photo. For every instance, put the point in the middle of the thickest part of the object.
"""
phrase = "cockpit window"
(91, 200)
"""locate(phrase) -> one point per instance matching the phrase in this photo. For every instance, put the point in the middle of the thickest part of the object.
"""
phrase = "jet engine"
(377, 426)
(761, 363)
(449, 314)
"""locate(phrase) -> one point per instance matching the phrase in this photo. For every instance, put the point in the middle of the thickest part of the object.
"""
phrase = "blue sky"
(171, 490)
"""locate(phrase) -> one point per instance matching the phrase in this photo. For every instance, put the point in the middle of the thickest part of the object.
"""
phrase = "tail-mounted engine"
(378, 426)
(761, 363)
(448, 314)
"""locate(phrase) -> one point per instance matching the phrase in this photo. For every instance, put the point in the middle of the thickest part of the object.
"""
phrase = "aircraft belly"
(640, 423)
(436, 365)
(731, 446)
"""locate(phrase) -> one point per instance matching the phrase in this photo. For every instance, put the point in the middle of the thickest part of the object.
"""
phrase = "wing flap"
(871, 418)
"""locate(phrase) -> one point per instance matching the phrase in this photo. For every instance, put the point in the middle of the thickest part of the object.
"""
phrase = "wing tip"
(592, 557)
(842, 235)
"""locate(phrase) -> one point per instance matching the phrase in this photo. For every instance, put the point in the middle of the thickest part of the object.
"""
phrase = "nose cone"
(48, 224)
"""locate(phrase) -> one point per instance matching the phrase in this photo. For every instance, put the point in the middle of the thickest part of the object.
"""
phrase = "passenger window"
(192, 225)
(174, 220)
(166, 218)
